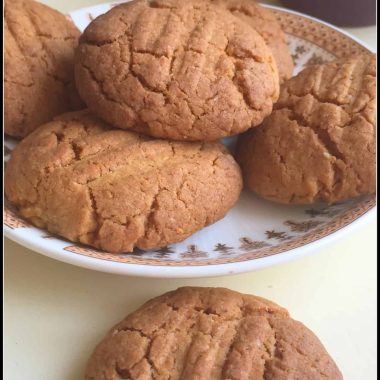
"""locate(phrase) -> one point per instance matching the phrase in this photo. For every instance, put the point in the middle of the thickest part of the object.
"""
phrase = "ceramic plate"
(255, 233)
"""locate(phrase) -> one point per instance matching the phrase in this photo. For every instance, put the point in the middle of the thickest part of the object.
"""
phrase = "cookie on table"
(39, 66)
(116, 190)
(176, 69)
(210, 333)
(265, 23)
(319, 143)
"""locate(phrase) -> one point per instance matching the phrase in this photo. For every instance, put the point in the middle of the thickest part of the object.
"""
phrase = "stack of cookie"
(163, 80)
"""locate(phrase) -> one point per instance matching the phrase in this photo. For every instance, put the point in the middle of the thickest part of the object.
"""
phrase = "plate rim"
(197, 271)
(332, 26)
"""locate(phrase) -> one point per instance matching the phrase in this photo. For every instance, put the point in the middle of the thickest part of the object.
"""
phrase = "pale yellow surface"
(55, 313)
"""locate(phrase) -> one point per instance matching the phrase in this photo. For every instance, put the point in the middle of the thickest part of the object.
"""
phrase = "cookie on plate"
(116, 190)
(39, 66)
(319, 143)
(210, 333)
(265, 23)
(176, 69)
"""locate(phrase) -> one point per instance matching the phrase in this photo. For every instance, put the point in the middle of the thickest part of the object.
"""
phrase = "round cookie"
(210, 333)
(265, 23)
(116, 190)
(176, 69)
(39, 66)
(319, 143)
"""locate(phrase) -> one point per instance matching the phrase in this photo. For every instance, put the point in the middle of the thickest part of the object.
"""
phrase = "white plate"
(255, 233)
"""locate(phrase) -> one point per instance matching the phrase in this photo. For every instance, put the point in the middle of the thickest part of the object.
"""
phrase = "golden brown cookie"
(116, 190)
(39, 66)
(319, 143)
(265, 23)
(210, 333)
(177, 69)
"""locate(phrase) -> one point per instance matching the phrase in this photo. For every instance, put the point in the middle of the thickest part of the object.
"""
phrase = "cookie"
(210, 333)
(319, 143)
(265, 23)
(176, 69)
(39, 66)
(116, 190)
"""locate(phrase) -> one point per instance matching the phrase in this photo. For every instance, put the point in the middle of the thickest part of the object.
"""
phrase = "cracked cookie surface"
(183, 70)
(116, 190)
(39, 66)
(210, 333)
(265, 23)
(319, 142)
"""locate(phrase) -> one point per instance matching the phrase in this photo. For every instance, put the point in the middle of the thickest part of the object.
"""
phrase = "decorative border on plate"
(341, 221)
(12, 220)
(319, 34)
